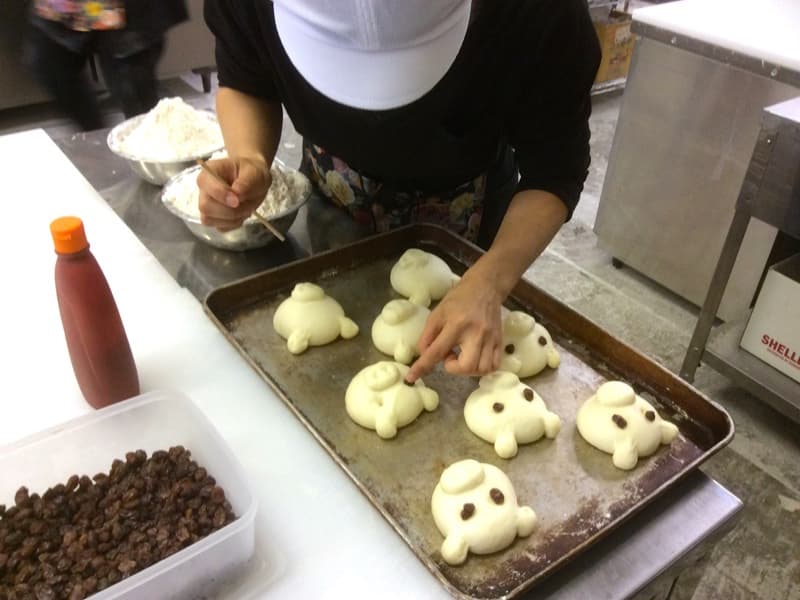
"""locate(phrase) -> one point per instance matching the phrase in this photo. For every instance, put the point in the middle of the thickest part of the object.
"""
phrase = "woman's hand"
(464, 330)
(468, 317)
(226, 207)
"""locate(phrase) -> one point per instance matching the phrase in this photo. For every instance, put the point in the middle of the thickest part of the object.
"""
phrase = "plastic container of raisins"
(153, 421)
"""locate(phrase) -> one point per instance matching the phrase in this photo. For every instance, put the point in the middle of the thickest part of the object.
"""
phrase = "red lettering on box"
(785, 352)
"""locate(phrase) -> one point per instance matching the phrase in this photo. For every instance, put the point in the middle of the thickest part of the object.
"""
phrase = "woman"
(470, 114)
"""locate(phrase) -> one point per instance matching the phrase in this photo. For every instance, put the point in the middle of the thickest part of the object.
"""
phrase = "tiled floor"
(761, 558)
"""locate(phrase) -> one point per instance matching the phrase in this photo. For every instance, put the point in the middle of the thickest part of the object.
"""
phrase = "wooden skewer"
(261, 219)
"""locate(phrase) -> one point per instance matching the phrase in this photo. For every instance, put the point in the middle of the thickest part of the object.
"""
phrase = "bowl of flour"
(166, 140)
(290, 189)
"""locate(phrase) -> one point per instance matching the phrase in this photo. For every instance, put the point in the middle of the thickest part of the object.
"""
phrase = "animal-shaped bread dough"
(506, 412)
(309, 317)
(527, 346)
(617, 421)
(421, 277)
(475, 508)
(397, 329)
(379, 398)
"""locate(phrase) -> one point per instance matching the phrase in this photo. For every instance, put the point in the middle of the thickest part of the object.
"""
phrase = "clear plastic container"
(152, 421)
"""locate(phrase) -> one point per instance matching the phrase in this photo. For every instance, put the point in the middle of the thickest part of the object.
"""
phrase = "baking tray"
(578, 495)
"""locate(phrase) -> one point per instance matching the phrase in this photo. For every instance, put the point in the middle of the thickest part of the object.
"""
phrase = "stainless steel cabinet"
(686, 130)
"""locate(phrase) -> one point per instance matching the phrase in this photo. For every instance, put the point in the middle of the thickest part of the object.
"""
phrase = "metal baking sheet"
(578, 495)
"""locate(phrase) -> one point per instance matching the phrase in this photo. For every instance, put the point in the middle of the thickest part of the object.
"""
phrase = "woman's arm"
(251, 128)
(468, 317)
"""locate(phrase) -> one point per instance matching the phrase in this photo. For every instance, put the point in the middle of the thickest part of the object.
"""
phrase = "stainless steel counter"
(640, 560)
(195, 265)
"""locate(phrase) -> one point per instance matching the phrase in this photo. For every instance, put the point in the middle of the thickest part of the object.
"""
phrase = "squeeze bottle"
(98, 347)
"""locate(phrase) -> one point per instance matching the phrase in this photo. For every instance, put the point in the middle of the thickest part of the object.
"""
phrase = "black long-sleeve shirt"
(522, 78)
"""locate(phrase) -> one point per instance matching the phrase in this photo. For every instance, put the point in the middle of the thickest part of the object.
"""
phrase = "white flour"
(288, 189)
(173, 130)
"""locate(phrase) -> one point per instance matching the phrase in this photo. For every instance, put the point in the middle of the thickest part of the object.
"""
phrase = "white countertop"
(768, 29)
(317, 536)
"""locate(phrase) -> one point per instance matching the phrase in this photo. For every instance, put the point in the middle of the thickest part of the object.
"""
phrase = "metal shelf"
(608, 86)
(770, 193)
(724, 355)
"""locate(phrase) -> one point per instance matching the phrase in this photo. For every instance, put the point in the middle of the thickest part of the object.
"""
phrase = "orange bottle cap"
(68, 235)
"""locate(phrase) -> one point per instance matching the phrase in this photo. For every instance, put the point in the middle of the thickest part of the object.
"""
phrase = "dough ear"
(615, 394)
(506, 444)
(625, 455)
(298, 341)
(403, 353)
(511, 364)
(553, 358)
(421, 298)
(385, 421)
(526, 521)
(454, 549)
(518, 324)
(347, 328)
(430, 399)
(668, 432)
(552, 424)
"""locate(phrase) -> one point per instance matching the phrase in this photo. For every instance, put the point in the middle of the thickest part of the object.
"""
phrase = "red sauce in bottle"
(98, 347)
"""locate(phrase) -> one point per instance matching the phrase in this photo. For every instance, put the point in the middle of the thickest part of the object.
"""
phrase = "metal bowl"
(252, 234)
(157, 172)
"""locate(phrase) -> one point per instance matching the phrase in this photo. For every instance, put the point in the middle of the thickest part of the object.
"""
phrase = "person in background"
(469, 114)
(127, 37)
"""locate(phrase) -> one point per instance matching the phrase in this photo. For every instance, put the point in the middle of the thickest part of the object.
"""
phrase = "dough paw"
(455, 549)
(347, 328)
(526, 521)
(403, 353)
(506, 445)
(668, 432)
(625, 455)
(386, 422)
(553, 358)
(298, 341)
(430, 399)
(552, 424)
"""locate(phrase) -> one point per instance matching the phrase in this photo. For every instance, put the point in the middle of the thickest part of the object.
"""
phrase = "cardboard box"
(616, 42)
(773, 331)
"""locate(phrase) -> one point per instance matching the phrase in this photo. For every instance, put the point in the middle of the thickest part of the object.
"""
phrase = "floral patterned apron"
(380, 207)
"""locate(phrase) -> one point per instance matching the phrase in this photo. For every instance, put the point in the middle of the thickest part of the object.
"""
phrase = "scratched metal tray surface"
(578, 495)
